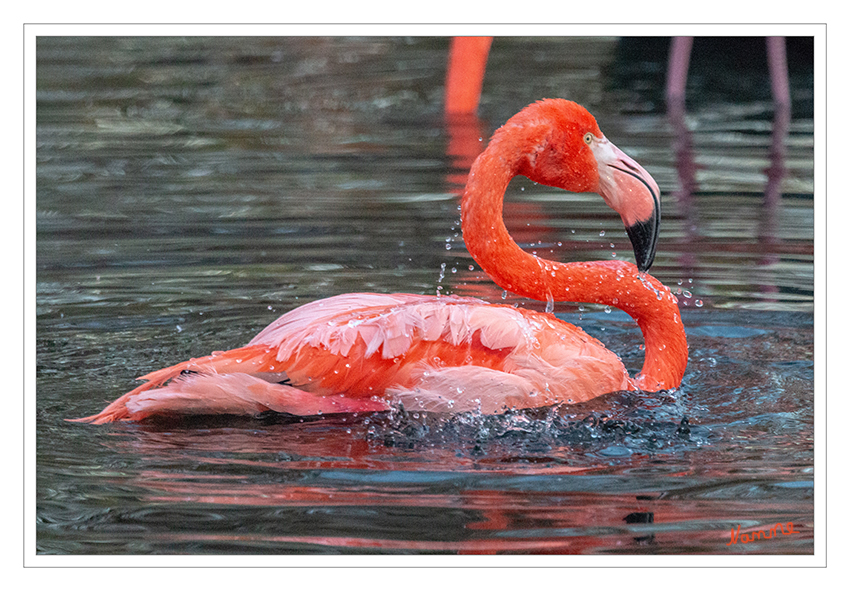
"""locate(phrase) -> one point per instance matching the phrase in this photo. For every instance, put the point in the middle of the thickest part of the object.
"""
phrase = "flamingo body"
(360, 352)
(364, 352)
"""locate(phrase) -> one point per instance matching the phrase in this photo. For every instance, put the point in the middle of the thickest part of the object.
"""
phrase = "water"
(189, 191)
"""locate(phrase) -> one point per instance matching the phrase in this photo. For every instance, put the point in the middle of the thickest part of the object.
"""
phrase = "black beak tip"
(644, 265)
(644, 239)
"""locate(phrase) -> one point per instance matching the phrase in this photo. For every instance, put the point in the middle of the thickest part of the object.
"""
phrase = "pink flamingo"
(365, 352)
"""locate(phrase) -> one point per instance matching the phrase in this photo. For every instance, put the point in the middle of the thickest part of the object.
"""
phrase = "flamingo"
(467, 65)
(465, 73)
(366, 352)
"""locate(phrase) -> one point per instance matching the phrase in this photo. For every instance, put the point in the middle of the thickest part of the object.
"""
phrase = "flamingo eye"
(588, 138)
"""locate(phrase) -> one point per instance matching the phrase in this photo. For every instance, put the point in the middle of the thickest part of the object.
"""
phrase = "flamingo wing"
(361, 352)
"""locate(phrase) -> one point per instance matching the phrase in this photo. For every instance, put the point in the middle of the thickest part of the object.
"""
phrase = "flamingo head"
(573, 154)
(630, 191)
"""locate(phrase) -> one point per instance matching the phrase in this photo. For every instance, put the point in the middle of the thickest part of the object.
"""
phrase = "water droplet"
(454, 269)
(448, 246)
(602, 232)
(505, 294)
(687, 294)
(471, 267)
(179, 329)
(698, 303)
(607, 309)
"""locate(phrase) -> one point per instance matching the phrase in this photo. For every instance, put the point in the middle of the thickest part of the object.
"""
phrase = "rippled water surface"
(191, 190)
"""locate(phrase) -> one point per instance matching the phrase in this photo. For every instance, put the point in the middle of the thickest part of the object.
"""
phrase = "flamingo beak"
(630, 191)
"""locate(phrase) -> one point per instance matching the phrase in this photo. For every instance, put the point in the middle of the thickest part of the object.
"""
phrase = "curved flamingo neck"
(612, 283)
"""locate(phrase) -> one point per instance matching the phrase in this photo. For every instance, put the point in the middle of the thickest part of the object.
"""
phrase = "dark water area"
(191, 190)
